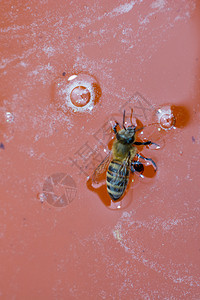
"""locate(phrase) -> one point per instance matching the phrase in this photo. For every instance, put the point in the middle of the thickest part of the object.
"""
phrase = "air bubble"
(80, 96)
(167, 121)
(165, 117)
(79, 92)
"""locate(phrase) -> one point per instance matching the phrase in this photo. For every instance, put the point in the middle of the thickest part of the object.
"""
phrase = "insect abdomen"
(117, 179)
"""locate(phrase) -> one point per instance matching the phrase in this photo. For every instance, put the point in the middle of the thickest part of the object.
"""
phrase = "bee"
(121, 162)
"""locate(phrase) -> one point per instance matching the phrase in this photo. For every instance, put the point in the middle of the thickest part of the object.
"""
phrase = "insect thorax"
(120, 151)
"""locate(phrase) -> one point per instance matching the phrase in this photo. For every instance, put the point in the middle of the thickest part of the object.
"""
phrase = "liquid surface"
(59, 240)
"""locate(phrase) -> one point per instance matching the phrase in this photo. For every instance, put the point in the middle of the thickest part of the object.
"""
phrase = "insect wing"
(101, 167)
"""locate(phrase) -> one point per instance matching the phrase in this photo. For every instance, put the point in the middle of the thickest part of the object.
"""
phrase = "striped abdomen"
(117, 178)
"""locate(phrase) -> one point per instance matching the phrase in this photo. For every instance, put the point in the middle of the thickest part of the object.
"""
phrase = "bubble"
(79, 92)
(165, 117)
(80, 96)
(167, 121)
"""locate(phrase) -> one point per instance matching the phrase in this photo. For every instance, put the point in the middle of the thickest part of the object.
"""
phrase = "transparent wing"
(101, 167)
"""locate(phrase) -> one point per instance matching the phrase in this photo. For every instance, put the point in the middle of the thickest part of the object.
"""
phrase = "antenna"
(124, 120)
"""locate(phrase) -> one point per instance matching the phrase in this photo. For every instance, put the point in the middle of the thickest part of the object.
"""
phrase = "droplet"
(167, 121)
(80, 96)
(165, 117)
(79, 92)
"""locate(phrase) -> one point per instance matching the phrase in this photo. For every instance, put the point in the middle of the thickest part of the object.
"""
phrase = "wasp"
(121, 161)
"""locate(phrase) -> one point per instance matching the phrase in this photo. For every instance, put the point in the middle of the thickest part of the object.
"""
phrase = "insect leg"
(132, 168)
(145, 143)
(134, 165)
(149, 159)
(115, 127)
(124, 120)
(137, 166)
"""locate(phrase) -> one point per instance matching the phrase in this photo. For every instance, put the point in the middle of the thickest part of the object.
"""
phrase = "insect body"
(123, 152)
